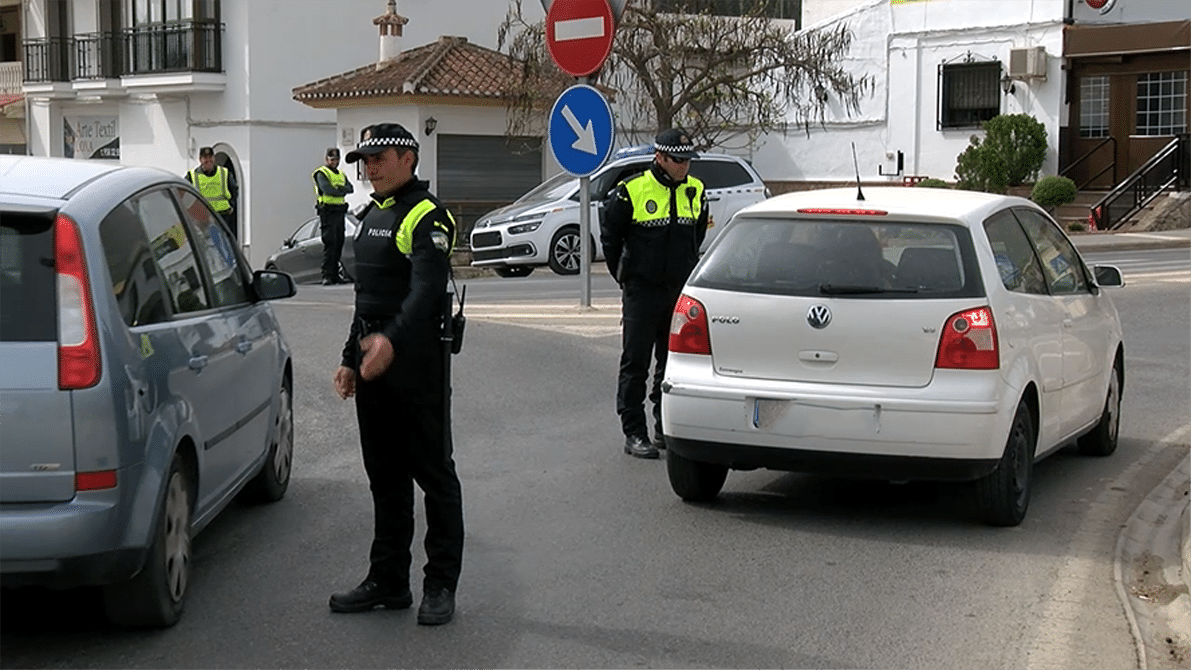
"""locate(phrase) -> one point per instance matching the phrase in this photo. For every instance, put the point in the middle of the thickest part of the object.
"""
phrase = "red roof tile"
(7, 99)
(451, 67)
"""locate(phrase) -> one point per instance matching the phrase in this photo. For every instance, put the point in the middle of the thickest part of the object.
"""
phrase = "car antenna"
(859, 193)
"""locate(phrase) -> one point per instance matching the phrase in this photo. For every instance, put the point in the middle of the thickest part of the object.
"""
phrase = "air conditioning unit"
(1029, 63)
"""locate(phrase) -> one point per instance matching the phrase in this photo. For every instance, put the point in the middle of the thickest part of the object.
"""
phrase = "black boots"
(369, 595)
(438, 606)
(639, 447)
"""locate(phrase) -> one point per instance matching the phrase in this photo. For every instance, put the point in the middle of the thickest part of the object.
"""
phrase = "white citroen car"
(912, 334)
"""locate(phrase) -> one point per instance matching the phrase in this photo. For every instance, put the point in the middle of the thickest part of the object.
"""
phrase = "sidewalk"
(1166, 239)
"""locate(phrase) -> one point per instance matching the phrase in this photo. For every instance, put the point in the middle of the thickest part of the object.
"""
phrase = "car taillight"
(969, 341)
(78, 341)
(688, 328)
(95, 481)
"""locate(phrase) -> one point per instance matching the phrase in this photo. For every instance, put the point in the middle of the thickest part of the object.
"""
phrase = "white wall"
(901, 46)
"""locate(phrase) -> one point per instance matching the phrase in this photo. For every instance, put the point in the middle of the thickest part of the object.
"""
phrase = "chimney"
(391, 26)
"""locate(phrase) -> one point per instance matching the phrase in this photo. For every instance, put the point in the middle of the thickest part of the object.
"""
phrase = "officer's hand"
(345, 382)
(378, 354)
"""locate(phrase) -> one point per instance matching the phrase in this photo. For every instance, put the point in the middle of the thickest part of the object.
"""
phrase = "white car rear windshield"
(814, 257)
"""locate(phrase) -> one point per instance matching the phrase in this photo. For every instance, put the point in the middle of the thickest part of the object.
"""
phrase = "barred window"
(1093, 106)
(1162, 103)
(969, 93)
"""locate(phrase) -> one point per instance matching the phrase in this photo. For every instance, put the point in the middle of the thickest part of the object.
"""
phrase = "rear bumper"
(66, 545)
(877, 466)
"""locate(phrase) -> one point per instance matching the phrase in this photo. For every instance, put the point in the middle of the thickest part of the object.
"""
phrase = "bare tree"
(719, 77)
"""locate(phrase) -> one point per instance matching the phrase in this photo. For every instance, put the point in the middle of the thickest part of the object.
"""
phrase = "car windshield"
(826, 257)
(557, 187)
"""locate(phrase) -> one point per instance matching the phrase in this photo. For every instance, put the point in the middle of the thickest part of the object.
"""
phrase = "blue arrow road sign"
(581, 130)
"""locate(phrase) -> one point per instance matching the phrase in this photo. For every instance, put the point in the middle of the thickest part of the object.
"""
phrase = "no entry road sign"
(579, 35)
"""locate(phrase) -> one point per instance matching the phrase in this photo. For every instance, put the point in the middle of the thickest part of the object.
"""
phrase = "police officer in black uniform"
(651, 230)
(393, 364)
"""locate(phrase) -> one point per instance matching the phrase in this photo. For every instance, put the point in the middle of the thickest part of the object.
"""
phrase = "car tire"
(271, 483)
(1102, 441)
(1003, 495)
(694, 481)
(511, 271)
(564, 251)
(155, 597)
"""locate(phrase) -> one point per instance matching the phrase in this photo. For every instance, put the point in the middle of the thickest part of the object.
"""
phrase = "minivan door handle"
(198, 362)
(244, 346)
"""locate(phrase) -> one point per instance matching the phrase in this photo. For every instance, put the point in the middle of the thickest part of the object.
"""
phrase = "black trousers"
(647, 311)
(330, 226)
(229, 220)
(406, 438)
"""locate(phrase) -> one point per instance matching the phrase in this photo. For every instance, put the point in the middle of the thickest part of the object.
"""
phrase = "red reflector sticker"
(95, 481)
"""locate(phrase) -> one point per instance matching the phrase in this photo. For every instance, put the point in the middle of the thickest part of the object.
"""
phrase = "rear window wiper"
(831, 289)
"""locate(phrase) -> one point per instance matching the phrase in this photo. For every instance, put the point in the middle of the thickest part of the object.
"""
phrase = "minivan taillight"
(78, 340)
(969, 341)
(688, 328)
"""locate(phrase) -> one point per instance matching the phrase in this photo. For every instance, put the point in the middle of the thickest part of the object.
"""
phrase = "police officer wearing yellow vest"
(393, 364)
(330, 187)
(651, 229)
(218, 187)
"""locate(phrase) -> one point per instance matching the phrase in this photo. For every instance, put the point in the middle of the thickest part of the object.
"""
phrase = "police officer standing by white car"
(651, 230)
(393, 363)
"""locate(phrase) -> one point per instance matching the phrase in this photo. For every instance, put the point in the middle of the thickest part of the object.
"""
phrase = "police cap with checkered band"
(380, 136)
(675, 142)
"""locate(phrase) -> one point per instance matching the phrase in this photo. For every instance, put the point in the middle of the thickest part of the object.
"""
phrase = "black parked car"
(301, 254)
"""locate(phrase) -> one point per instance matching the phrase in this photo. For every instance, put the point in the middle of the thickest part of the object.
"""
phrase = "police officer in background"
(393, 364)
(218, 187)
(330, 187)
(651, 230)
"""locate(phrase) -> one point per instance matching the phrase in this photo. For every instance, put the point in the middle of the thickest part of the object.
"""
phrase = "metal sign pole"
(585, 254)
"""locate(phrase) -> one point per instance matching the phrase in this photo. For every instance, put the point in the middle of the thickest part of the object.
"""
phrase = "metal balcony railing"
(1168, 169)
(181, 46)
(98, 56)
(47, 59)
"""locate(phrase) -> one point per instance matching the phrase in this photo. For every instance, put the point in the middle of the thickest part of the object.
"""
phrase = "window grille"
(969, 93)
(1093, 106)
(1162, 103)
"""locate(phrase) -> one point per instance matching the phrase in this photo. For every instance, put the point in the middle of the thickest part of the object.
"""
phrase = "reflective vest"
(337, 179)
(213, 188)
(405, 233)
(651, 201)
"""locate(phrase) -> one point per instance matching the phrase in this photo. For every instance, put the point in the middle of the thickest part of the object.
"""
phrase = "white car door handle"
(244, 346)
(198, 362)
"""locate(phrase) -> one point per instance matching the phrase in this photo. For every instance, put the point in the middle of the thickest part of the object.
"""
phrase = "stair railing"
(1167, 169)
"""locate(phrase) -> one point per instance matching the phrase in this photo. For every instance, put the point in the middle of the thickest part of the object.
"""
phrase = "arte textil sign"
(89, 137)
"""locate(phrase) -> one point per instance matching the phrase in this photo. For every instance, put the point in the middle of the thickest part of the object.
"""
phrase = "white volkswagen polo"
(907, 333)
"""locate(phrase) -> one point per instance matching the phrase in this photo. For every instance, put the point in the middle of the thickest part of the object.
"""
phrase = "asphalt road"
(579, 556)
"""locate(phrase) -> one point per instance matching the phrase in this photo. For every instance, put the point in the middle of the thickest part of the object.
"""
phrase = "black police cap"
(675, 142)
(380, 136)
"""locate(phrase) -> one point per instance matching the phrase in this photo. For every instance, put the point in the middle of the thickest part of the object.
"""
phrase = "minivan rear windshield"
(557, 187)
(843, 258)
(28, 293)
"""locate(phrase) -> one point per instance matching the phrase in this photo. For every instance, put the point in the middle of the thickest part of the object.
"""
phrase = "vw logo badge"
(818, 316)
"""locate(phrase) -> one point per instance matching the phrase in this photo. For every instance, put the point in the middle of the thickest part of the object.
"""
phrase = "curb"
(1153, 572)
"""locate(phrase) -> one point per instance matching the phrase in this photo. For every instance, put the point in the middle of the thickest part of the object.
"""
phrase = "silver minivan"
(542, 226)
(144, 381)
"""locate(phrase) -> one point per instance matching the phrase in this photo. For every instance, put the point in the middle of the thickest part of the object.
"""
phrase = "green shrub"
(1052, 191)
(1076, 227)
(1011, 153)
(933, 183)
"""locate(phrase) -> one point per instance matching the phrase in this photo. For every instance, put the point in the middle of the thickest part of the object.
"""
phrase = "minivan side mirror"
(273, 285)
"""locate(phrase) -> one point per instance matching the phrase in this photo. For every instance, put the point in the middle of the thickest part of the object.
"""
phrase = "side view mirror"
(1108, 276)
(273, 284)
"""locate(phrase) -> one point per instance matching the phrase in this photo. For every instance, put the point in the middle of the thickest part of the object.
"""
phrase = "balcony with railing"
(178, 56)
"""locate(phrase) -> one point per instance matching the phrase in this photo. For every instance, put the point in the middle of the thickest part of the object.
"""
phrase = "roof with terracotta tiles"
(451, 67)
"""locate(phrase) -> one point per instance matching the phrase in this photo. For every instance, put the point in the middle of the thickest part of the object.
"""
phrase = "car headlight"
(524, 227)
